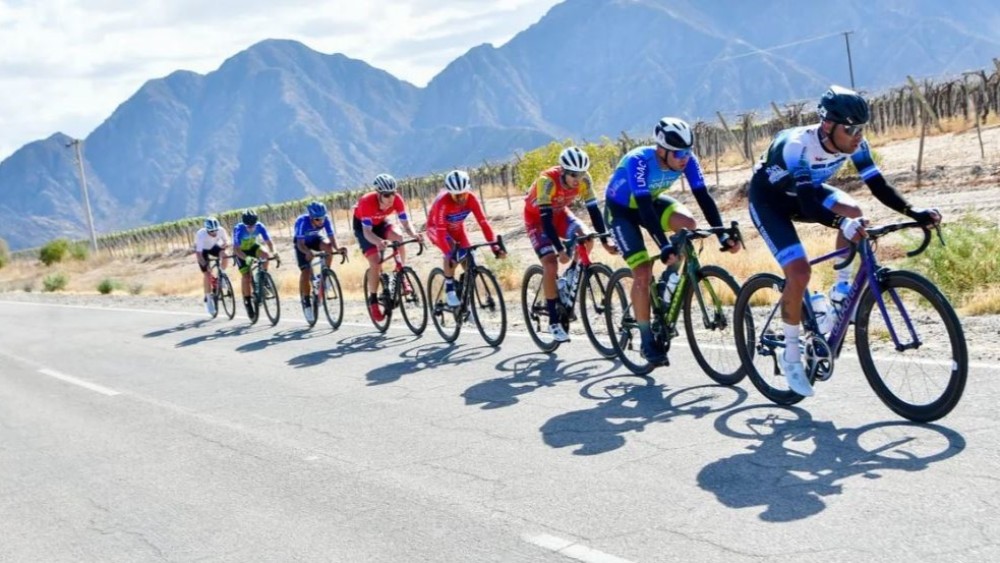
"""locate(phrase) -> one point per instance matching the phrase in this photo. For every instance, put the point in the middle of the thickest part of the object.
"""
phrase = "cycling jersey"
(549, 190)
(304, 228)
(204, 241)
(370, 214)
(446, 221)
(244, 238)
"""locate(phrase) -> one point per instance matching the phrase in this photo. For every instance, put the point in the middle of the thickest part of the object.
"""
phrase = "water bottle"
(316, 280)
(667, 287)
(563, 286)
(571, 276)
(838, 298)
(821, 310)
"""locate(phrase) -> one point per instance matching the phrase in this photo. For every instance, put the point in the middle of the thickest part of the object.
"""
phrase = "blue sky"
(65, 65)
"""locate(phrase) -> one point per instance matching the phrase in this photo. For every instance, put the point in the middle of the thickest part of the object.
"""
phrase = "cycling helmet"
(844, 106)
(457, 182)
(316, 210)
(674, 134)
(574, 160)
(249, 217)
(211, 224)
(385, 184)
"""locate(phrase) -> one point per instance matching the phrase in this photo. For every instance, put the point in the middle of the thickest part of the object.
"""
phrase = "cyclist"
(636, 197)
(446, 225)
(210, 240)
(788, 185)
(310, 229)
(548, 220)
(374, 230)
(246, 244)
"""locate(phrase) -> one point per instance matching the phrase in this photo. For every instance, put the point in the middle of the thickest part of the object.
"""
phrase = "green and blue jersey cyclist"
(788, 184)
(374, 230)
(247, 237)
(636, 197)
(313, 231)
(210, 240)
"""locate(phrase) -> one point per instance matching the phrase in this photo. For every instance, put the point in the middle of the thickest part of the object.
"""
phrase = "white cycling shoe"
(451, 298)
(558, 333)
(307, 310)
(210, 305)
(795, 373)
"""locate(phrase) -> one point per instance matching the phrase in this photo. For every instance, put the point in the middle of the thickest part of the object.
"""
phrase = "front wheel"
(333, 299)
(708, 322)
(412, 300)
(488, 309)
(620, 319)
(760, 336)
(384, 302)
(226, 296)
(920, 374)
(446, 319)
(593, 288)
(269, 298)
(536, 316)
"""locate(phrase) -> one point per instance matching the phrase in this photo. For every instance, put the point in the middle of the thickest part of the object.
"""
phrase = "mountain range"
(280, 121)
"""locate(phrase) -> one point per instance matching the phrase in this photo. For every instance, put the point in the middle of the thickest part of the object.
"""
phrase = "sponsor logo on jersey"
(775, 173)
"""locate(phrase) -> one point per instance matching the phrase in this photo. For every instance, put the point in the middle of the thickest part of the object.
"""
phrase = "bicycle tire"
(748, 339)
(270, 294)
(721, 320)
(445, 318)
(621, 323)
(593, 288)
(227, 296)
(413, 304)
(486, 296)
(333, 299)
(957, 365)
(384, 304)
(314, 305)
(534, 310)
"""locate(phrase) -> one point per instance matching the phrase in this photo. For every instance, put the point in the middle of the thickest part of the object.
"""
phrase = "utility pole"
(850, 64)
(75, 143)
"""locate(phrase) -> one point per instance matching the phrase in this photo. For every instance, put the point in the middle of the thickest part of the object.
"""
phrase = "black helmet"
(249, 217)
(844, 106)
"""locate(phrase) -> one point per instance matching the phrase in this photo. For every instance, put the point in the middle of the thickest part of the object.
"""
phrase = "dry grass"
(985, 301)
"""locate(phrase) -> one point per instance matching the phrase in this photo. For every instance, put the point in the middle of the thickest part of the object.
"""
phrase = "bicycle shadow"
(628, 403)
(289, 335)
(530, 372)
(368, 342)
(427, 357)
(797, 461)
(221, 333)
(177, 328)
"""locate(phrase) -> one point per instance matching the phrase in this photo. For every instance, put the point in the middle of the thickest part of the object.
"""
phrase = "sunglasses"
(213, 231)
(853, 130)
(571, 174)
(387, 195)
(682, 154)
(317, 219)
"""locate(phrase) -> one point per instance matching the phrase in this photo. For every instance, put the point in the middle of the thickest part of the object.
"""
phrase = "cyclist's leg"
(624, 224)
(674, 216)
(392, 233)
(439, 238)
(839, 202)
(206, 273)
(326, 246)
(546, 253)
(575, 227)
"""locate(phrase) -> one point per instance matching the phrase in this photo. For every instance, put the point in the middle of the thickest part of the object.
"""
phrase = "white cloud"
(65, 65)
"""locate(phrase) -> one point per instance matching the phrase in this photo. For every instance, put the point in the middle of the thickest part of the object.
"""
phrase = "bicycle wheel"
(226, 296)
(761, 337)
(708, 322)
(314, 305)
(333, 299)
(925, 380)
(412, 300)
(536, 315)
(384, 303)
(488, 309)
(446, 319)
(621, 324)
(272, 305)
(592, 290)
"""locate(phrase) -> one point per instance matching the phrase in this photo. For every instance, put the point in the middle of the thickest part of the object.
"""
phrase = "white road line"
(76, 381)
(571, 549)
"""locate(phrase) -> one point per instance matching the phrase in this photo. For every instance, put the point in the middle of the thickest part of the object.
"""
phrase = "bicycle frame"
(319, 255)
(469, 264)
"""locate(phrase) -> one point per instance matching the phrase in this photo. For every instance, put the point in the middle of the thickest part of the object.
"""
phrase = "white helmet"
(384, 184)
(674, 134)
(457, 182)
(574, 160)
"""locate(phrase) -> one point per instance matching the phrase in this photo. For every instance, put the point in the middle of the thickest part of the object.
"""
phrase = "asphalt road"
(130, 435)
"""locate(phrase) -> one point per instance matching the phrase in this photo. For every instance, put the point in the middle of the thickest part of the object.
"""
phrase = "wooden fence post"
(925, 104)
(974, 107)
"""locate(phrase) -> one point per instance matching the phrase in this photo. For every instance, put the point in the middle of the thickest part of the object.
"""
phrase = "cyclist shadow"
(796, 461)
(220, 333)
(368, 342)
(427, 357)
(290, 335)
(177, 328)
(530, 372)
(628, 403)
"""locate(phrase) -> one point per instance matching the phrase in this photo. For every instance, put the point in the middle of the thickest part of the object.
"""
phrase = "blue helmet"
(211, 224)
(316, 209)
(844, 106)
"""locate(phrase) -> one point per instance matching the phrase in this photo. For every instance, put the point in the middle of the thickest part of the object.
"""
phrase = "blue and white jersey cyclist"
(313, 232)
(788, 185)
(246, 243)
(636, 197)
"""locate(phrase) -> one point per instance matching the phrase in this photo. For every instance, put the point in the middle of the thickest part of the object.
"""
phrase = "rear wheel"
(226, 296)
(269, 298)
(621, 323)
(384, 302)
(333, 301)
(413, 301)
(708, 322)
(536, 316)
(592, 291)
(445, 318)
(488, 309)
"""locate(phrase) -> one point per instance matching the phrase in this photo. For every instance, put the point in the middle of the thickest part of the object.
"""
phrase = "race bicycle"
(222, 289)
(326, 288)
(264, 290)
(479, 294)
(399, 290)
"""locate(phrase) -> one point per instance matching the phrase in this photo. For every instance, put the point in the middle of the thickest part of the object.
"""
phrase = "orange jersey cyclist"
(374, 229)
(548, 220)
(446, 225)
(636, 197)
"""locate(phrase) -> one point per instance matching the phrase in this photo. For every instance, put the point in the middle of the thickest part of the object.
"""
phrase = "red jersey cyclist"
(547, 219)
(374, 229)
(446, 225)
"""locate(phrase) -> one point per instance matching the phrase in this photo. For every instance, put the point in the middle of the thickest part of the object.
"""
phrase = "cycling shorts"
(205, 253)
(625, 222)
(567, 225)
(312, 243)
(381, 230)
